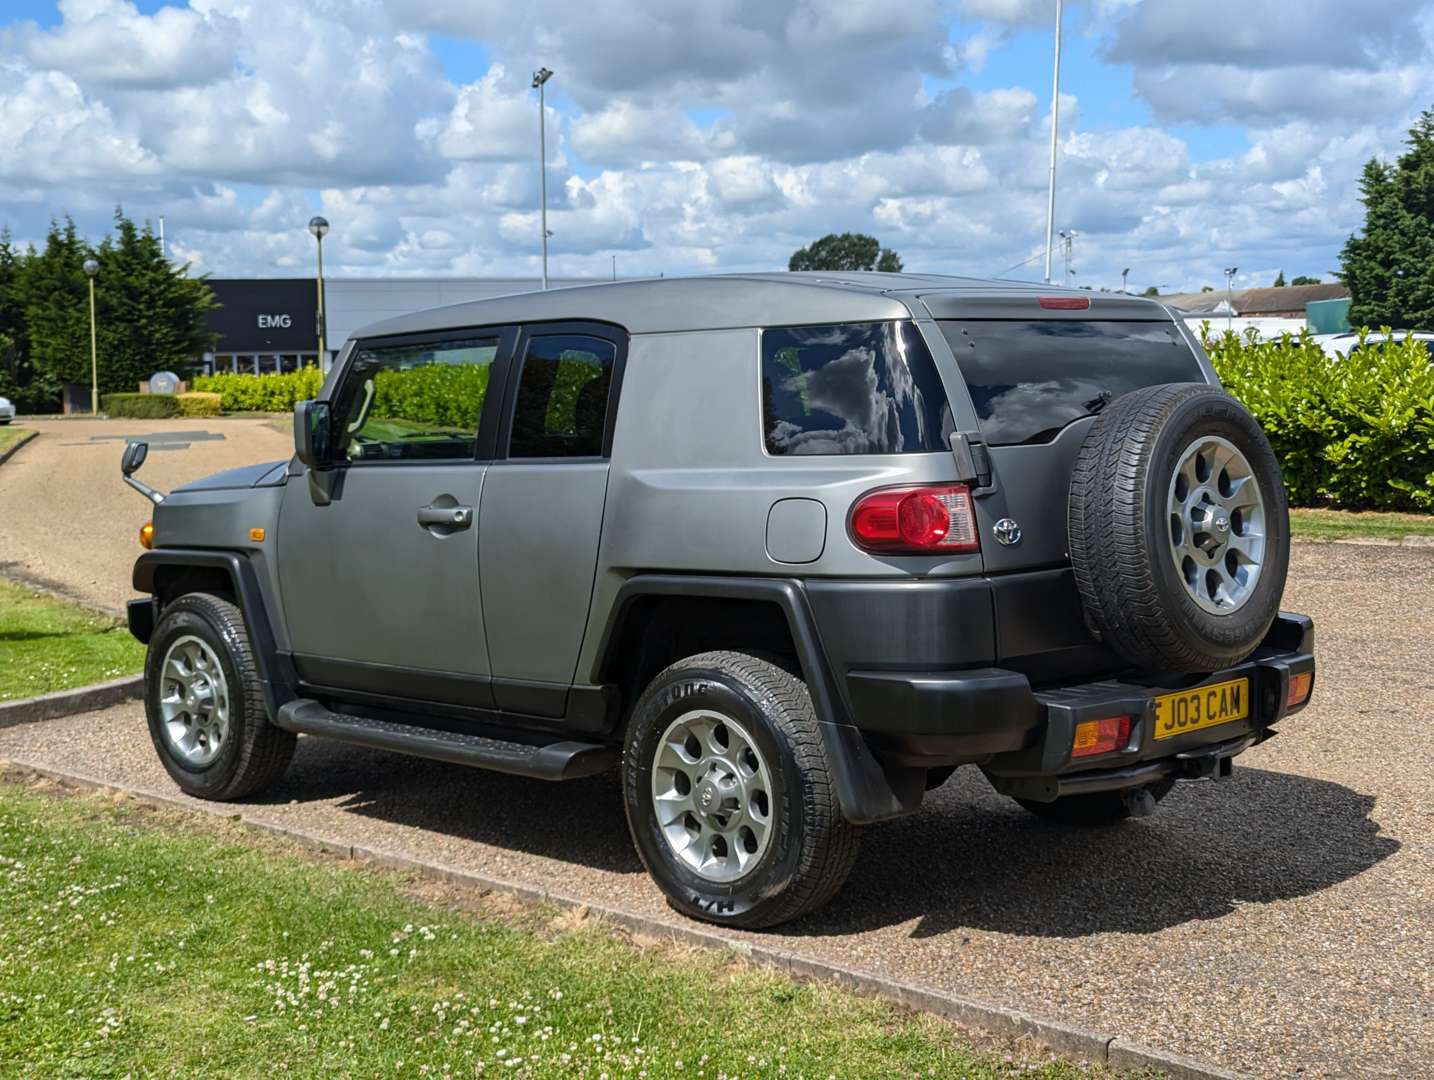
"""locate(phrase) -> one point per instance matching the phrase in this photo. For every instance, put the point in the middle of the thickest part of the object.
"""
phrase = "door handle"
(452, 517)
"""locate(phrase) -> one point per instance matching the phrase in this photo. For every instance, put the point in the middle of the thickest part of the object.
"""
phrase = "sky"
(697, 136)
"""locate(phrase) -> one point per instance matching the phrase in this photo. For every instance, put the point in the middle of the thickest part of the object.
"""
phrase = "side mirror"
(312, 437)
(134, 455)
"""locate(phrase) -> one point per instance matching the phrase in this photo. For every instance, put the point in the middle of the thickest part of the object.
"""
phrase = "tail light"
(927, 520)
(1065, 303)
(1299, 689)
(1102, 736)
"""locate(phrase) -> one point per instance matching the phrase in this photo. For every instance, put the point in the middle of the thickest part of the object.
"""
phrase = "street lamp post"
(320, 228)
(91, 269)
(1055, 125)
(1230, 272)
(1124, 274)
(540, 80)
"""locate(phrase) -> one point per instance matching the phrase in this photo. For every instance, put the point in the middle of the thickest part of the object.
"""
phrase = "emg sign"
(263, 315)
(275, 322)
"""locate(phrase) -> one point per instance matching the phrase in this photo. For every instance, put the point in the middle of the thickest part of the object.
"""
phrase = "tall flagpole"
(1055, 125)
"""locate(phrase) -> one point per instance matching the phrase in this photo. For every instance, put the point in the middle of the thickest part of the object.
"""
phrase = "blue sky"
(689, 137)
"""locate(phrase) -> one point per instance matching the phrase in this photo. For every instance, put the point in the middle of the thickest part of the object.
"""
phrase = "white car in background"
(1341, 344)
(7, 411)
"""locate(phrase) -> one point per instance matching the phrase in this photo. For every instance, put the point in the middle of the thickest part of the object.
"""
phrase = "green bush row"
(444, 395)
(140, 406)
(1355, 431)
(275, 392)
(199, 403)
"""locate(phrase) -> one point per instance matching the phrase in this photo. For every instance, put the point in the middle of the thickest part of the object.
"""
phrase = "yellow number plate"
(1203, 707)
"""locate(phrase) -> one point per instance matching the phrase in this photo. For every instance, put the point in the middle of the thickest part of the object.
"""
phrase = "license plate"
(1203, 707)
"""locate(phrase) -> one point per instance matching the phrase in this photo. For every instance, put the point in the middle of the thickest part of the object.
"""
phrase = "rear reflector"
(1065, 303)
(1299, 689)
(934, 520)
(1101, 736)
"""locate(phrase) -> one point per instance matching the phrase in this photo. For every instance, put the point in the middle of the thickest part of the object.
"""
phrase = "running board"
(558, 760)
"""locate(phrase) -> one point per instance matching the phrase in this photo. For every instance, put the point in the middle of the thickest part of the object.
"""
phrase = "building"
(272, 324)
(1269, 312)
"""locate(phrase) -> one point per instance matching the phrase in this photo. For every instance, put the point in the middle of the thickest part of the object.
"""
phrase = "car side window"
(561, 405)
(417, 402)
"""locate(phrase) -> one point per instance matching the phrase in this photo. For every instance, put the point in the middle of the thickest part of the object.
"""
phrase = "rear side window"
(851, 388)
(1028, 380)
(562, 397)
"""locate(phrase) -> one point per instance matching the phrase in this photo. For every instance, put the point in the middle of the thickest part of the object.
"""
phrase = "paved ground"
(66, 517)
(1281, 923)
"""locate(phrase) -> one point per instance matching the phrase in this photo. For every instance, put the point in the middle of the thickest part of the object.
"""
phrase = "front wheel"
(205, 702)
(729, 793)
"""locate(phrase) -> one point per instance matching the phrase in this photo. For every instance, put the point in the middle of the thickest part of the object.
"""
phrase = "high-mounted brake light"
(1065, 303)
(929, 520)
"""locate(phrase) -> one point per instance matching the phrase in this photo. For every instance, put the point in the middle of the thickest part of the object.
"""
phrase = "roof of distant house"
(1258, 301)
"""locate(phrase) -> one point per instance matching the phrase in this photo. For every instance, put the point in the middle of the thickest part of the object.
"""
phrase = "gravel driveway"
(67, 520)
(1280, 924)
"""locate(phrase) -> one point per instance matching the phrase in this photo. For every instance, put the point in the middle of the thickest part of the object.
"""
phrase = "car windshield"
(1030, 378)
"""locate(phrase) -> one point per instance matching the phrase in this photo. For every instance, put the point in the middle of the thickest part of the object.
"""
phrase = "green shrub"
(199, 404)
(276, 392)
(140, 406)
(1356, 431)
(444, 395)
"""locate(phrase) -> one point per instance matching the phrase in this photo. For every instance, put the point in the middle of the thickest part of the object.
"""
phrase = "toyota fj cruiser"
(789, 548)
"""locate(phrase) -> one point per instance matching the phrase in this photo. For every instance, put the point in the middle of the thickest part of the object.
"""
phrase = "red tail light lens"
(916, 520)
(1101, 736)
(1065, 303)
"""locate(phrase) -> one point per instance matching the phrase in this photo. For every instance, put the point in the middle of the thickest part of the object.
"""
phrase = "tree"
(1151, 290)
(17, 376)
(1207, 288)
(1280, 280)
(150, 315)
(1304, 280)
(1389, 267)
(847, 251)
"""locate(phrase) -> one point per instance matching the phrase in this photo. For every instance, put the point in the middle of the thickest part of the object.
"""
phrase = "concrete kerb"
(23, 440)
(68, 702)
(1066, 1040)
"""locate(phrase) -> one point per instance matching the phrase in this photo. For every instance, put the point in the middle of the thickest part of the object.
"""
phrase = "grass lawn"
(1342, 524)
(11, 434)
(48, 644)
(137, 941)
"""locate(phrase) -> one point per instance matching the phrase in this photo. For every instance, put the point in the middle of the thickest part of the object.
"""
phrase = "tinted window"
(562, 397)
(1030, 379)
(853, 388)
(417, 402)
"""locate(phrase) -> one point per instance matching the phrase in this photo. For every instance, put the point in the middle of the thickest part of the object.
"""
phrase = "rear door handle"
(454, 517)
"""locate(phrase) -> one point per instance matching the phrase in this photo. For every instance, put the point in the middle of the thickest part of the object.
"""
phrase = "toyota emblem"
(1008, 531)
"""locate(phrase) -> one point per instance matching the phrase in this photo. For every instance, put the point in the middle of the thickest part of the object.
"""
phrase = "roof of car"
(726, 301)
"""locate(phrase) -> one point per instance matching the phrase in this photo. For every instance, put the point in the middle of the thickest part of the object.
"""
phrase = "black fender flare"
(274, 672)
(866, 790)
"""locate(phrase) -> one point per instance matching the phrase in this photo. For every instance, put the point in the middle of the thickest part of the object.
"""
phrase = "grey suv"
(787, 548)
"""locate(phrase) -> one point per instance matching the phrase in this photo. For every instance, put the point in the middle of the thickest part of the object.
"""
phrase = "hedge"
(140, 406)
(199, 404)
(276, 392)
(1355, 431)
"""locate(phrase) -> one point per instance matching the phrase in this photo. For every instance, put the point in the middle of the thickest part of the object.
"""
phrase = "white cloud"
(109, 41)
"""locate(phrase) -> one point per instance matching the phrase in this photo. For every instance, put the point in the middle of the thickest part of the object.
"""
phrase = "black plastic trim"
(444, 687)
(139, 614)
(275, 674)
(867, 792)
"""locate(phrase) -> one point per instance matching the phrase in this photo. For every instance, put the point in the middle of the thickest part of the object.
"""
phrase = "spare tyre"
(1179, 529)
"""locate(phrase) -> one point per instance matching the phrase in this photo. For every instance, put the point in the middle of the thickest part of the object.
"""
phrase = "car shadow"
(969, 860)
(577, 821)
(975, 860)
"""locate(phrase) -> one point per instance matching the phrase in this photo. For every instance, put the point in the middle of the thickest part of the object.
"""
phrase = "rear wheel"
(729, 793)
(205, 702)
(1102, 808)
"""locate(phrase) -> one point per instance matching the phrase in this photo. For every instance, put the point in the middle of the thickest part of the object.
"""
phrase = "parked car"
(788, 549)
(1336, 345)
(7, 411)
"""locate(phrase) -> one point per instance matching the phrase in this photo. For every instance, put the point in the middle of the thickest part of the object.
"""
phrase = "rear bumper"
(1022, 737)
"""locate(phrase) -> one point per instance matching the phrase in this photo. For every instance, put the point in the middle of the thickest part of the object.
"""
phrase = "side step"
(559, 760)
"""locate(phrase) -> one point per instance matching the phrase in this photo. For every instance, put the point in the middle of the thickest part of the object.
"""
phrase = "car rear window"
(851, 388)
(1029, 379)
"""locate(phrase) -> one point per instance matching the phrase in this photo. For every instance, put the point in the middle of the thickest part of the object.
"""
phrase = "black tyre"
(1102, 808)
(729, 793)
(205, 703)
(1179, 529)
